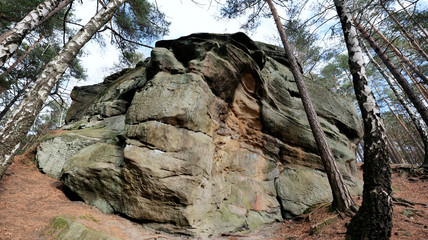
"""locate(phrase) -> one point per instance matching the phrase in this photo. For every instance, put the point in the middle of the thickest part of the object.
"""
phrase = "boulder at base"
(209, 137)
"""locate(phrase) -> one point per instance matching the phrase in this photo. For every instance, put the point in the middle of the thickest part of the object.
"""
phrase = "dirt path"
(29, 199)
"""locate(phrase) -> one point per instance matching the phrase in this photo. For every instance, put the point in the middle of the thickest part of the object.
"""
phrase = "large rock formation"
(210, 137)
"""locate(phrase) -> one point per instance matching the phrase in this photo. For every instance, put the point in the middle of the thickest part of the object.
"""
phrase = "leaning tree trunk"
(408, 90)
(18, 95)
(23, 116)
(425, 32)
(11, 40)
(407, 34)
(342, 199)
(399, 55)
(420, 127)
(374, 218)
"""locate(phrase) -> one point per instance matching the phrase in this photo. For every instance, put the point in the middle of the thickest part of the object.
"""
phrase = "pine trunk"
(342, 199)
(400, 55)
(425, 32)
(374, 218)
(23, 116)
(11, 40)
(407, 34)
(413, 97)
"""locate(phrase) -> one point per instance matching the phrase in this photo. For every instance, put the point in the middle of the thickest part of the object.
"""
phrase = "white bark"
(11, 40)
(374, 219)
(23, 116)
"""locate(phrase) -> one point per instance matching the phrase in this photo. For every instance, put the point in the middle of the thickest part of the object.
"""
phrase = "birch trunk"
(11, 40)
(420, 127)
(407, 88)
(23, 116)
(342, 199)
(374, 218)
(13, 66)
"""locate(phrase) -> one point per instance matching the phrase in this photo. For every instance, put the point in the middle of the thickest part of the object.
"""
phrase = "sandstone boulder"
(209, 138)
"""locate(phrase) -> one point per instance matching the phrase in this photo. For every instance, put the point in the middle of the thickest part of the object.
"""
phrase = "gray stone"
(53, 154)
(180, 100)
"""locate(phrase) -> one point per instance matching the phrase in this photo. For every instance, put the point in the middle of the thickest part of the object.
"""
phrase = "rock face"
(210, 137)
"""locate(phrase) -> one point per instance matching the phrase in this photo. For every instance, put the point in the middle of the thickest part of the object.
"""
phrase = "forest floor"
(29, 199)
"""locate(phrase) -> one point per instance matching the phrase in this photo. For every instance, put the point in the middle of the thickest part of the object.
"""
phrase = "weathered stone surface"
(181, 100)
(58, 148)
(214, 139)
(109, 98)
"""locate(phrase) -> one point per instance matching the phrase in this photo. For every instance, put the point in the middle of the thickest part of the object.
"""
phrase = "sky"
(186, 18)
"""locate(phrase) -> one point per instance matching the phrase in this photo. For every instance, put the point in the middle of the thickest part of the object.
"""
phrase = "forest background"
(312, 26)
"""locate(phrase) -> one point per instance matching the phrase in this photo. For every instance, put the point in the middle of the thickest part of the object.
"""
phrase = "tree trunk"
(395, 156)
(374, 218)
(407, 34)
(14, 99)
(23, 116)
(420, 127)
(399, 55)
(13, 66)
(419, 105)
(11, 40)
(342, 199)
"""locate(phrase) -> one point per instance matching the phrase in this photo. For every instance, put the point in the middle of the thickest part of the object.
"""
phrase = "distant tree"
(20, 119)
(336, 76)
(374, 218)
(22, 78)
(304, 45)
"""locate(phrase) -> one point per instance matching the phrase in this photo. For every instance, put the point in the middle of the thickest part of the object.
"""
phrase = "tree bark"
(342, 199)
(374, 218)
(419, 105)
(23, 116)
(12, 39)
